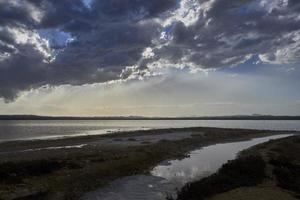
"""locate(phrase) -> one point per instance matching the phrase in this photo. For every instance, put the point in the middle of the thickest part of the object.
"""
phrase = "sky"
(149, 58)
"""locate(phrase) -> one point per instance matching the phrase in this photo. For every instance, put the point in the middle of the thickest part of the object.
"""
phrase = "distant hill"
(234, 117)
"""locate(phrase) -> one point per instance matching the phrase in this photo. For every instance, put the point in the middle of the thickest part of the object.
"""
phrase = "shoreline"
(116, 135)
(265, 171)
(229, 117)
(37, 130)
(104, 158)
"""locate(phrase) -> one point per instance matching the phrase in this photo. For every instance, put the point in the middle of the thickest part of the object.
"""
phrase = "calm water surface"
(166, 177)
(44, 129)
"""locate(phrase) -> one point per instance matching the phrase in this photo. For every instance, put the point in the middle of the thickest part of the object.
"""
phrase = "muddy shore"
(67, 168)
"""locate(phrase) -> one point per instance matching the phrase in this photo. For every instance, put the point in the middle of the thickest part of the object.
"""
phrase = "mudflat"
(67, 168)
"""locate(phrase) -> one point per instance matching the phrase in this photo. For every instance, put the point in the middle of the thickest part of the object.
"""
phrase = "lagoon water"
(168, 176)
(47, 129)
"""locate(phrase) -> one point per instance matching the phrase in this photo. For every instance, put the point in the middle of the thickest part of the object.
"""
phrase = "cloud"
(49, 42)
(228, 33)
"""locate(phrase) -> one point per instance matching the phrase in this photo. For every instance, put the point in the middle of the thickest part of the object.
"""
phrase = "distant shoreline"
(234, 117)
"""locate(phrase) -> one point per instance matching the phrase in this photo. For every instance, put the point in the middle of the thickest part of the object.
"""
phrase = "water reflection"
(165, 178)
(205, 161)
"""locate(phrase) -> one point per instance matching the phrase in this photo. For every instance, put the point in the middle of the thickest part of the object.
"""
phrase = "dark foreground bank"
(267, 171)
(67, 168)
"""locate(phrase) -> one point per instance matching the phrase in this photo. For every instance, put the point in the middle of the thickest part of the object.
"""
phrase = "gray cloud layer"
(101, 41)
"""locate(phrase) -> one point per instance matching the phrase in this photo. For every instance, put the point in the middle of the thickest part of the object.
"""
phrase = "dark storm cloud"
(21, 72)
(105, 39)
(109, 36)
(60, 13)
(228, 33)
(132, 8)
(11, 14)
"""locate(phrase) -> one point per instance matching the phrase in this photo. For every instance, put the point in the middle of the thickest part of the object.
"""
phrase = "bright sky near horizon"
(149, 58)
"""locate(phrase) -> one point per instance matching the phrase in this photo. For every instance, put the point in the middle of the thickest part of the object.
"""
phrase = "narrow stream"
(169, 175)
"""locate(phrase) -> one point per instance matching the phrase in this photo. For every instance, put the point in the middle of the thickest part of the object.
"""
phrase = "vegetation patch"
(281, 156)
(37, 196)
(287, 174)
(244, 171)
(69, 173)
(285, 160)
(15, 172)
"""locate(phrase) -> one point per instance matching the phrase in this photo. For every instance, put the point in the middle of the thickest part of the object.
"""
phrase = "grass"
(132, 139)
(36, 196)
(246, 171)
(68, 173)
(243, 176)
(12, 173)
(287, 173)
